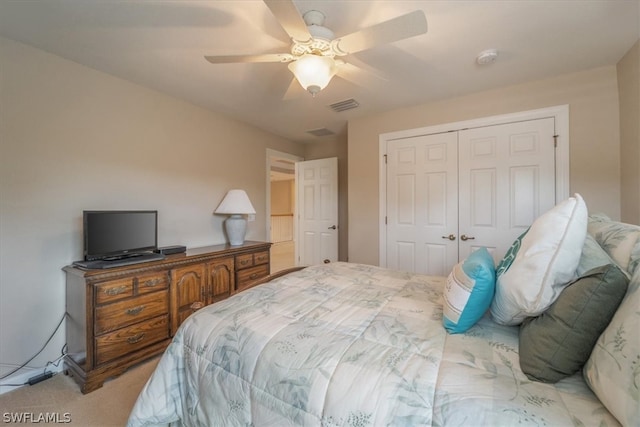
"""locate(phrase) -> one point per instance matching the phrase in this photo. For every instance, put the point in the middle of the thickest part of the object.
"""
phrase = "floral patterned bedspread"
(347, 344)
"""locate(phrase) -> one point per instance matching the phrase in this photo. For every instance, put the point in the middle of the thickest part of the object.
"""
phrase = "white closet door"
(482, 186)
(422, 204)
(506, 180)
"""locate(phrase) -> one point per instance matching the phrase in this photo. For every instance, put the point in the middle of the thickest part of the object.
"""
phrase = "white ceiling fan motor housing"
(322, 36)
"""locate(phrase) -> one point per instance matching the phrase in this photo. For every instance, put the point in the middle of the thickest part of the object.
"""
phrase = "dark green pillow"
(558, 343)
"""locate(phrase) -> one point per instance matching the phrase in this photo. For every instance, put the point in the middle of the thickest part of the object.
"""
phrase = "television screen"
(119, 233)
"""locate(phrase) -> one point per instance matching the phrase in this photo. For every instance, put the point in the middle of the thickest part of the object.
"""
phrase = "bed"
(346, 344)
(350, 344)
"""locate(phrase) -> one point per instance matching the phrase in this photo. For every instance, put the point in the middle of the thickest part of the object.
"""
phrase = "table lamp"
(236, 203)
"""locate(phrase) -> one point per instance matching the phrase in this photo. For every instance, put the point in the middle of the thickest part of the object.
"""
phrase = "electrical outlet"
(252, 217)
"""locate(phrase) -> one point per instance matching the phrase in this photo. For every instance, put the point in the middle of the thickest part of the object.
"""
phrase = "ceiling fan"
(314, 49)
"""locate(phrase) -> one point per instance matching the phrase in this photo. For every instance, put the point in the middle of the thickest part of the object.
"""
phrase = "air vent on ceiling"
(321, 132)
(347, 104)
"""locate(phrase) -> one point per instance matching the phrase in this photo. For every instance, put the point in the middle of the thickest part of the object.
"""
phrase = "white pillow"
(544, 265)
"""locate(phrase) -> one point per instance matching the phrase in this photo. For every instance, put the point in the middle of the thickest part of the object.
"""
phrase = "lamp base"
(236, 226)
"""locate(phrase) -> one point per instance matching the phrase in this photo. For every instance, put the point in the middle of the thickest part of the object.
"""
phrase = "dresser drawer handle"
(254, 276)
(151, 282)
(136, 338)
(244, 262)
(261, 258)
(116, 291)
(135, 310)
(196, 305)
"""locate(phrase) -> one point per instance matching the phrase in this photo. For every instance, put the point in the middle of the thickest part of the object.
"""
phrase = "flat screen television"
(119, 234)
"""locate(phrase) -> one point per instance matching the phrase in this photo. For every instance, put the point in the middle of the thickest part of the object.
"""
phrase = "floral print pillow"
(613, 369)
(618, 239)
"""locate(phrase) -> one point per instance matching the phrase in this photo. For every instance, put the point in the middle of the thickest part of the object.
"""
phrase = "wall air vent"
(321, 132)
(347, 104)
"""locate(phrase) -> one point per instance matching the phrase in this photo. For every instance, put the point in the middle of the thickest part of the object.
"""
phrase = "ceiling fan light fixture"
(313, 72)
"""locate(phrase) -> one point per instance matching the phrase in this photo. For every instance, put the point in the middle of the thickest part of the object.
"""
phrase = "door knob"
(464, 237)
(333, 227)
(450, 237)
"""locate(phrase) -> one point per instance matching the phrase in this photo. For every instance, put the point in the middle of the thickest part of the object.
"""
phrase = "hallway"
(282, 255)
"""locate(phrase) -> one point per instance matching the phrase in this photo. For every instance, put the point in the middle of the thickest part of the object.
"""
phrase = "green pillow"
(558, 343)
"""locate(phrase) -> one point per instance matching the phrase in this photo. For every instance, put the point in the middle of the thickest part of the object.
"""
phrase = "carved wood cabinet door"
(221, 279)
(189, 292)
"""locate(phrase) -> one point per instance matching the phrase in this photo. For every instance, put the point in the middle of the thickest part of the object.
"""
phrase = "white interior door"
(422, 204)
(317, 211)
(507, 179)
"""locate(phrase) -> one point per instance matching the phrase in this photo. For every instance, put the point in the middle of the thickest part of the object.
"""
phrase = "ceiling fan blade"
(270, 57)
(402, 27)
(359, 76)
(289, 18)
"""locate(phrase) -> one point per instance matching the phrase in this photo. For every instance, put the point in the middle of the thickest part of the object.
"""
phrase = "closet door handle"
(464, 237)
(450, 237)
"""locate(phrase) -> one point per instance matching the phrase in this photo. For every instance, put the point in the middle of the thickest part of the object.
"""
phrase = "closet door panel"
(481, 192)
(521, 157)
(422, 206)
(405, 256)
(436, 199)
(524, 201)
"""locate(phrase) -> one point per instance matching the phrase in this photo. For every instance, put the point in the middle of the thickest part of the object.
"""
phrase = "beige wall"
(72, 138)
(592, 97)
(629, 88)
(282, 197)
(336, 147)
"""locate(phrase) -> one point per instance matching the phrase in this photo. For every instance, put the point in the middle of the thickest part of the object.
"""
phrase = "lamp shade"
(235, 202)
(313, 72)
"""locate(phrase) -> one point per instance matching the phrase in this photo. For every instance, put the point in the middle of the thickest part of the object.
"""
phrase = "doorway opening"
(281, 186)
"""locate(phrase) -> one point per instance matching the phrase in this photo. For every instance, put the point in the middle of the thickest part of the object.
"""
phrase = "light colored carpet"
(282, 256)
(105, 407)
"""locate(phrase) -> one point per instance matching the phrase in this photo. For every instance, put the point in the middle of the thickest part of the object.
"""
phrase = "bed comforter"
(346, 344)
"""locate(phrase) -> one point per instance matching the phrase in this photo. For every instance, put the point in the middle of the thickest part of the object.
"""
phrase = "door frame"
(560, 113)
(271, 154)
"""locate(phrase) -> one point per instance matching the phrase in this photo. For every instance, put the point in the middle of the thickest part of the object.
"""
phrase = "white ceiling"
(161, 44)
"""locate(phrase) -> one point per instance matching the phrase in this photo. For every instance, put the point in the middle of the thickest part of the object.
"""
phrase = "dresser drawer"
(114, 290)
(153, 282)
(244, 261)
(250, 260)
(113, 316)
(261, 258)
(127, 340)
(243, 277)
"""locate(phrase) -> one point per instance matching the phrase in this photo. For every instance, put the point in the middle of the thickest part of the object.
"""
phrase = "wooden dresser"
(121, 316)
